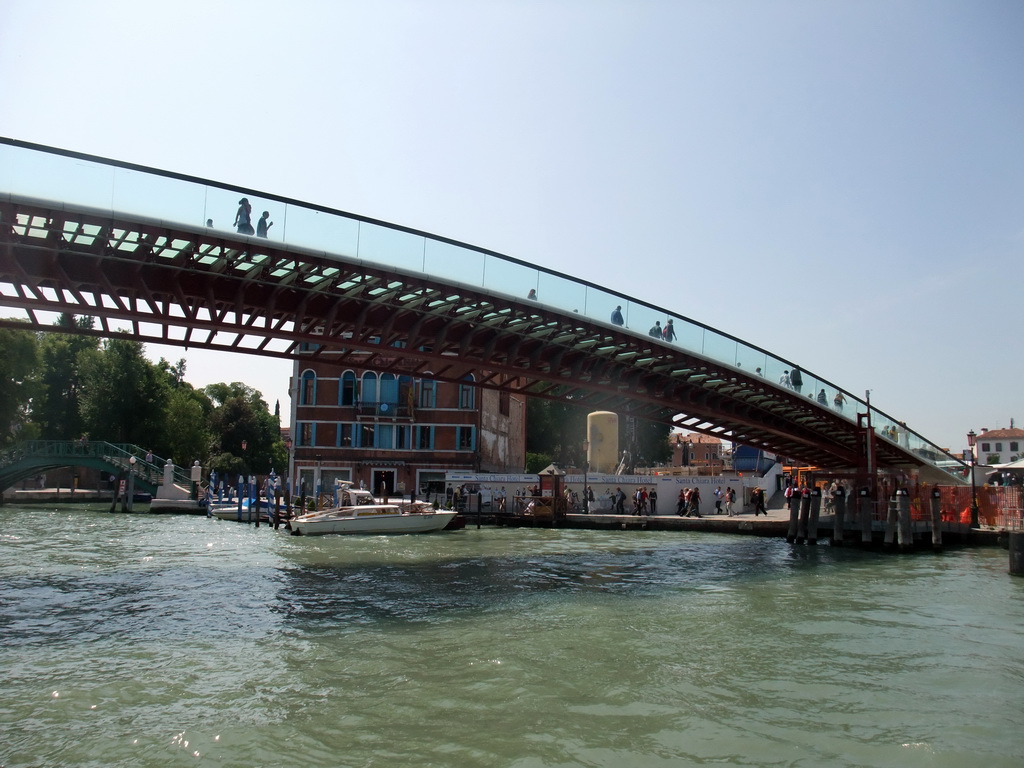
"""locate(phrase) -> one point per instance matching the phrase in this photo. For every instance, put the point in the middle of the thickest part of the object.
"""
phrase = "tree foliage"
(241, 418)
(19, 383)
(60, 386)
(57, 411)
(124, 396)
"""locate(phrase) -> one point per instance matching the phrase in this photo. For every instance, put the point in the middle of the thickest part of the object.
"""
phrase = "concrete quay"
(774, 525)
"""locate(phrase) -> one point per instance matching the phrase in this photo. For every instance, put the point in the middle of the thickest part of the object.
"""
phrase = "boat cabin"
(349, 496)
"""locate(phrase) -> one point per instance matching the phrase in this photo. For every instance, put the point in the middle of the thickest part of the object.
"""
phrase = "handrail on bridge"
(118, 454)
(28, 169)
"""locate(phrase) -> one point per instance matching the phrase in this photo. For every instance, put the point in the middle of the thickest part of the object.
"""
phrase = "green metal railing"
(72, 452)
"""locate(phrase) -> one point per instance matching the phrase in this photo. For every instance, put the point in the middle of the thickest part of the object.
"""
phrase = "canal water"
(171, 641)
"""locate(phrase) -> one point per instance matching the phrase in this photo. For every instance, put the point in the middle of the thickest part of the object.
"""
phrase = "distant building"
(394, 432)
(998, 446)
(701, 451)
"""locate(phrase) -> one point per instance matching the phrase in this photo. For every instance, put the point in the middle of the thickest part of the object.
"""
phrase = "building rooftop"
(1003, 434)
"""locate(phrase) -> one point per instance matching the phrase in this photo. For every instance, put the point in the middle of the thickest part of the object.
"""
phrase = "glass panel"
(508, 277)
(655, 322)
(599, 305)
(225, 208)
(55, 177)
(689, 336)
(320, 231)
(454, 263)
(158, 197)
(751, 360)
(719, 347)
(775, 369)
(390, 247)
(561, 292)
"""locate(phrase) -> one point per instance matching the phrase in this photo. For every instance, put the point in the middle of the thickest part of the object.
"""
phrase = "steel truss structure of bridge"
(166, 281)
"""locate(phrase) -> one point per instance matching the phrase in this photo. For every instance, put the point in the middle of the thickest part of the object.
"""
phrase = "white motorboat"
(229, 511)
(359, 512)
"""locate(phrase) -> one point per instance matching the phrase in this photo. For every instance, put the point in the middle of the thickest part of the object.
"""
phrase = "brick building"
(697, 450)
(397, 432)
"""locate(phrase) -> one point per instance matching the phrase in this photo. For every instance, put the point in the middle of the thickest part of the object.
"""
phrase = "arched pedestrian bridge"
(150, 256)
(26, 460)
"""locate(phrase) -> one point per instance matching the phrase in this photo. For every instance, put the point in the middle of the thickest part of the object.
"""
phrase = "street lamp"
(316, 481)
(975, 518)
(586, 466)
(130, 497)
(288, 463)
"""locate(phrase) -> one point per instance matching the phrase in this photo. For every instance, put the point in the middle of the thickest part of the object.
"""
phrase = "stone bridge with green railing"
(30, 458)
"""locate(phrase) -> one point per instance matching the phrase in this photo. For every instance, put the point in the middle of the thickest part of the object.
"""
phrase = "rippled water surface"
(163, 641)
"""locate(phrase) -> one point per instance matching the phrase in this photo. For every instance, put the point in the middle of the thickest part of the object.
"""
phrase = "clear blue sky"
(840, 183)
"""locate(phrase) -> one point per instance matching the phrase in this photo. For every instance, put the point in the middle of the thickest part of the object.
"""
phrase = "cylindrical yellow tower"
(603, 437)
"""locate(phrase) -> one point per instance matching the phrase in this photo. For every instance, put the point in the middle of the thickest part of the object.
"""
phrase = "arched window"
(307, 392)
(369, 393)
(388, 389)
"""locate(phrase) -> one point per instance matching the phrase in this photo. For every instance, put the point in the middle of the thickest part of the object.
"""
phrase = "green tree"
(56, 410)
(240, 416)
(535, 462)
(186, 434)
(124, 396)
(19, 383)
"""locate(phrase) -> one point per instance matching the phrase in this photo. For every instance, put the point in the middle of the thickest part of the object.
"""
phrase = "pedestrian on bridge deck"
(243, 217)
(796, 380)
(668, 332)
(617, 316)
(262, 226)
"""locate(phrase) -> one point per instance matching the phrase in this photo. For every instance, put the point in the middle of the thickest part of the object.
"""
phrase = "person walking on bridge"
(263, 225)
(796, 380)
(668, 332)
(617, 316)
(243, 218)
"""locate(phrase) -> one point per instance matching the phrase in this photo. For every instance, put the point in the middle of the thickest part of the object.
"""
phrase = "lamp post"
(288, 472)
(130, 495)
(586, 466)
(975, 518)
(316, 481)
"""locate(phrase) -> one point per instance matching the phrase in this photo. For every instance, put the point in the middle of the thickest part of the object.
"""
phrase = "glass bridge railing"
(57, 175)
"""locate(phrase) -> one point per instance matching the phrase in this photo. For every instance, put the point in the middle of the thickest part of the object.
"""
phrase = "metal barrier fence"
(998, 506)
